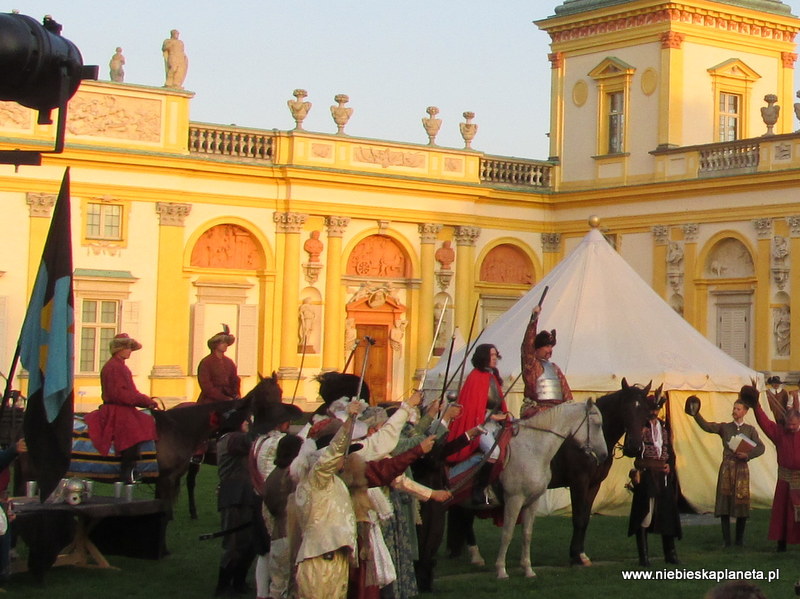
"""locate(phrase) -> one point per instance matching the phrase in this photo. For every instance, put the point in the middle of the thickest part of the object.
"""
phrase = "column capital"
(660, 234)
(794, 225)
(40, 204)
(467, 235)
(336, 225)
(428, 232)
(763, 227)
(551, 242)
(690, 232)
(289, 222)
(172, 214)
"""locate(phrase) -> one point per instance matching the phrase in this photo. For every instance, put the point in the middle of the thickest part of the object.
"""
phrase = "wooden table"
(65, 535)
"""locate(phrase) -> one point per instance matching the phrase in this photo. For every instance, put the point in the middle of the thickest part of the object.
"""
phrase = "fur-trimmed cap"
(123, 341)
(223, 336)
(544, 338)
(748, 395)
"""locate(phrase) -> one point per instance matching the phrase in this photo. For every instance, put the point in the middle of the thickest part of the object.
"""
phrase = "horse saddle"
(462, 483)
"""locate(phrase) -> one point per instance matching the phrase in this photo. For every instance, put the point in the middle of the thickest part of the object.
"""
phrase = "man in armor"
(545, 384)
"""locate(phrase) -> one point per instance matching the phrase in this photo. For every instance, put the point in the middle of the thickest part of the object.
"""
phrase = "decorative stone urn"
(468, 129)
(299, 108)
(340, 113)
(432, 124)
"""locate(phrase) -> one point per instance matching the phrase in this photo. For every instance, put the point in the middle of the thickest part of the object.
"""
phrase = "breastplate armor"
(548, 385)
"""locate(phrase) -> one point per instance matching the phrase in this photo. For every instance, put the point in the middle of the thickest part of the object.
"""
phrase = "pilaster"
(333, 331)
(427, 237)
(465, 268)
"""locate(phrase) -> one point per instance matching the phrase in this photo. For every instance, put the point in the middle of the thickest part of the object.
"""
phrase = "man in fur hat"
(545, 384)
(780, 400)
(216, 373)
(117, 422)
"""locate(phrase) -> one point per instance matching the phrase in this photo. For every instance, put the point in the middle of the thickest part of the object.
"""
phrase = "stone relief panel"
(729, 259)
(507, 264)
(136, 119)
(378, 256)
(14, 116)
(228, 246)
(386, 157)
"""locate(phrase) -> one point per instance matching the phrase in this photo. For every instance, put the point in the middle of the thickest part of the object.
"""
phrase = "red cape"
(473, 398)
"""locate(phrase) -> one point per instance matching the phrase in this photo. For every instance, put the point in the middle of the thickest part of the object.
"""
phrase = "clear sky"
(393, 58)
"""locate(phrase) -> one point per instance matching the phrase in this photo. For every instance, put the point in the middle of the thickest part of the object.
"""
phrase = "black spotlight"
(41, 70)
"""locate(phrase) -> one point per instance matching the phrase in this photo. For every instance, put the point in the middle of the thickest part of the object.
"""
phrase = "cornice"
(667, 14)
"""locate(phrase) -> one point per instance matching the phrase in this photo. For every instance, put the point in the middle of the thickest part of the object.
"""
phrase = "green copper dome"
(571, 7)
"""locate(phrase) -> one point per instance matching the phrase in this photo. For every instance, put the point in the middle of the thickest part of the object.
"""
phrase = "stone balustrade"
(217, 140)
(729, 156)
(513, 171)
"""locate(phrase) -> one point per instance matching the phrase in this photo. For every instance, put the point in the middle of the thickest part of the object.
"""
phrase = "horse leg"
(510, 514)
(528, 517)
(191, 482)
(582, 498)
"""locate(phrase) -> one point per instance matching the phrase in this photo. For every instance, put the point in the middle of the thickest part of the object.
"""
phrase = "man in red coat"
(784, 522)
(117, 422)
(545, 384)
(216, 373)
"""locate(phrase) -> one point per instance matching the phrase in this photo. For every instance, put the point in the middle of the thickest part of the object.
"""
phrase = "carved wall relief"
(228, 246)
(378, 256)
(507, 264)
(113, 116)
(729, 259)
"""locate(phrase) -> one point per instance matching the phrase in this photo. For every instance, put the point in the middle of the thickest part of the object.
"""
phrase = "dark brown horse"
(267, 390)
(624, 413)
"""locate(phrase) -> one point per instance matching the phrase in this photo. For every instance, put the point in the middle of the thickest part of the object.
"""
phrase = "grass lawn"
(191, 569)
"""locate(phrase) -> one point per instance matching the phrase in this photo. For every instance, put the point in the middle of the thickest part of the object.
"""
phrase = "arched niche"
(228, 246)
(507, 264)
(728, 258)
(379, 257)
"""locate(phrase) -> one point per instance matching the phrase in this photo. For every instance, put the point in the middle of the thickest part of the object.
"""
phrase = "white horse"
(527, 473)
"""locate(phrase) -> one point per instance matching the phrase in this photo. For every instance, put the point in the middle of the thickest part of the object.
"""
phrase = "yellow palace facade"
(664, 122)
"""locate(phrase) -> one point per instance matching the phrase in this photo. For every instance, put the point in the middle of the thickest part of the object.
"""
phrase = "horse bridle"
(587, 447)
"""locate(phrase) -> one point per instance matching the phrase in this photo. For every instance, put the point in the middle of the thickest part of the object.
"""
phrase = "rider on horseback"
(117, 422)
(216, 373)
(545, 384)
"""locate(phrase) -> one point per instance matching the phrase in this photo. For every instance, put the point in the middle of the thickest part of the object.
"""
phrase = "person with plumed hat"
(780, 400)
(733, 481)
(216, 373)
(545, 384)
(271, 424)
(118, 423)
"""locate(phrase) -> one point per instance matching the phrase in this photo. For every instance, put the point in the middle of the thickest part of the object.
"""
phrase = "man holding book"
(740, 444)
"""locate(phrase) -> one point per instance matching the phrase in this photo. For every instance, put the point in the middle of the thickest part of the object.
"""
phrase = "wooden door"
(378, 375)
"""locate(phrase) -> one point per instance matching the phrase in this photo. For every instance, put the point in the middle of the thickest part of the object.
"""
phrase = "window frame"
(612, 77)
(735, 78)
(101, 240)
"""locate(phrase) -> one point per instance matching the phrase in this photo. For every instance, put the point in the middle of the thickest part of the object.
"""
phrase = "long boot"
(726, 530)
(480, 484)
(670, 554)
(641, 547)
(740, 524)
(223, 581)
(127, 464)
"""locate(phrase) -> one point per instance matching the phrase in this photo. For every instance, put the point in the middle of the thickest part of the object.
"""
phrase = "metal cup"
(129, 492)
(89, 485)
(31, 488)
(118, 489)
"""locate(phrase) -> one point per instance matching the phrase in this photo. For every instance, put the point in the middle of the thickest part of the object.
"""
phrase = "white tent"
(610, 324)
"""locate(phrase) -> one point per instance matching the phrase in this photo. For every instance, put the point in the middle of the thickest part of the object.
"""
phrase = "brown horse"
(624, 413)
(266, 391)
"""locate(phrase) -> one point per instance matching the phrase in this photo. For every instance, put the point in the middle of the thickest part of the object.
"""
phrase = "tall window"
(104, 221)
(99, 323)
(729, 113)
(616, 122)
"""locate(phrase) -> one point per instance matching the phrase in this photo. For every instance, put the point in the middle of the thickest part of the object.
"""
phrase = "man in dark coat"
(655, 494)
(216, 373)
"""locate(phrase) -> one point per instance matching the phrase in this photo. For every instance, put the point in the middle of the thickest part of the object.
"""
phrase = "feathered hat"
(123, 341)
(335, 385)
(544, 338)
(222, 337)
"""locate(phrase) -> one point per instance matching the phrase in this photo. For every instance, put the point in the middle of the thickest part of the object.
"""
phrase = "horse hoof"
(584, 560)
(502, 575)
(530, 574)
(475, 557)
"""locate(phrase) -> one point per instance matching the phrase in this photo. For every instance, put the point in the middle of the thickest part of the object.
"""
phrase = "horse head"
(589, 433)
(635, 414)
(266, 392)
